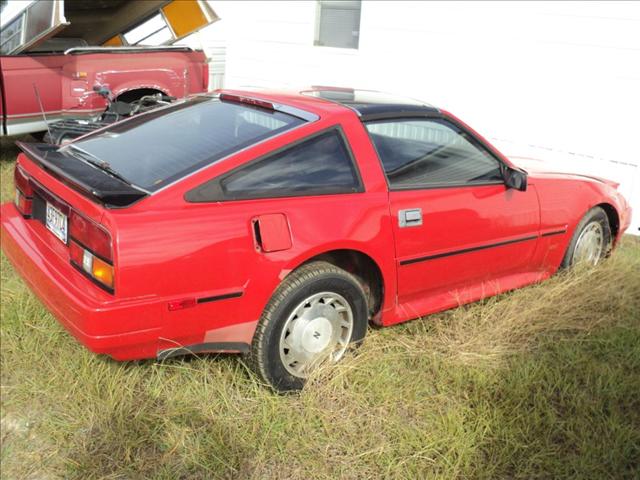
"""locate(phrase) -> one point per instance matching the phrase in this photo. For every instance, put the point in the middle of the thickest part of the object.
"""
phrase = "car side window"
(319, 165)
(423, 153)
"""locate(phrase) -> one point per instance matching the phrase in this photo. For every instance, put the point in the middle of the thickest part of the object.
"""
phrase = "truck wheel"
(39, 136)
(315, 315)
(591, 240)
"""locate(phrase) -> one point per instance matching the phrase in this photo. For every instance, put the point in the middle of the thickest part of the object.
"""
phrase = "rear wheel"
(316, 315)
(591, 241)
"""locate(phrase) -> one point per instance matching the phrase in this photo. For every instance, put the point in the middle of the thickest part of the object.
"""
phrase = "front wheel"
(316, 315)
(591, 240)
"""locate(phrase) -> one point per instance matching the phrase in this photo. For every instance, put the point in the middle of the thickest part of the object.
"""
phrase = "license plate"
(57, 222)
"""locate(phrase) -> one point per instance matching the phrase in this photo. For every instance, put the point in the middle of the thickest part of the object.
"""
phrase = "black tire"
(39, 136)
(599, 216)
(264, 357)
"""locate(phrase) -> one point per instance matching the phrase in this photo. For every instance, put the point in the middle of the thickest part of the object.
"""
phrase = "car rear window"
(155, 149)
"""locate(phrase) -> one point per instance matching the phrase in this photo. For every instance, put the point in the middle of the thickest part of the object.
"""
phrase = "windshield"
(157, 148)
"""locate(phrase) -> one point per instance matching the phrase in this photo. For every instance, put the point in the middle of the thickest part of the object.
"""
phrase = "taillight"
(23, 204)
(91, 250)
(22, 182)
(90, 235)
(205, 77)
(24, 192)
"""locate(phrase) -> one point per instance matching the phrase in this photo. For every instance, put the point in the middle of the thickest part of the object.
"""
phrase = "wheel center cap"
(317, 335)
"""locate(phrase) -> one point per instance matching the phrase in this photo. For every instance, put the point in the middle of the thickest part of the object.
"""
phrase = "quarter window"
(421, 153)
(317, 166)
(338, 24)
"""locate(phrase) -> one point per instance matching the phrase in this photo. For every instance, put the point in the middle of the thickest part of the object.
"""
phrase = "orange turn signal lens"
(102, 271)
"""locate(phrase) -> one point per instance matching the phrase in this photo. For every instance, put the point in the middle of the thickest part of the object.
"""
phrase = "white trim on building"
(555, 80)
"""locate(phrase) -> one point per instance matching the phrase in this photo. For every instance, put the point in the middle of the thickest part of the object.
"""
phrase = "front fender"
(564, 200)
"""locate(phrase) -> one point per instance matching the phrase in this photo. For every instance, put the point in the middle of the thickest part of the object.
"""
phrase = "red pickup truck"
(63, 83)
(56, 55)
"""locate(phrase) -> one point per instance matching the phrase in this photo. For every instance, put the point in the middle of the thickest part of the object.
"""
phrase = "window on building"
(338, 23)
(431, 153)
(320, 165)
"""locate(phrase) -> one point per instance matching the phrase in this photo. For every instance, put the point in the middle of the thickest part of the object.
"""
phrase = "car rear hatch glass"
(155, 149)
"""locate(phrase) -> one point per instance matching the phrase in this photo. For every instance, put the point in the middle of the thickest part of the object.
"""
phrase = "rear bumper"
(124, 329)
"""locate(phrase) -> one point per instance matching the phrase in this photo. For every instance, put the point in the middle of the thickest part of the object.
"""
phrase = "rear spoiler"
(86, 179)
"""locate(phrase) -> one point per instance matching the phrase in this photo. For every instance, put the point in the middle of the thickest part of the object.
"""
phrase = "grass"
(543, 382)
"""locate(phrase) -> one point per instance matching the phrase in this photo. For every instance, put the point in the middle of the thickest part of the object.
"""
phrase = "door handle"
(411, 217)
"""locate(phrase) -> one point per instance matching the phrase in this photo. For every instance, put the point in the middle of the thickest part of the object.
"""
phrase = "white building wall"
(559, 81)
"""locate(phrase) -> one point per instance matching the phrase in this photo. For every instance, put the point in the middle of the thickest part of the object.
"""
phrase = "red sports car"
(278, 225)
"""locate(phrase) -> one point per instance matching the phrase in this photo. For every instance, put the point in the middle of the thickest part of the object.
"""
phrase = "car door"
(456, 224)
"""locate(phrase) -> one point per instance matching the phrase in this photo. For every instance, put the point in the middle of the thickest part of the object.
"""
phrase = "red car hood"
(538, 168)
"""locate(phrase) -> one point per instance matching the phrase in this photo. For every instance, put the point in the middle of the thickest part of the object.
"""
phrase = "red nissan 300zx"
(279, 225)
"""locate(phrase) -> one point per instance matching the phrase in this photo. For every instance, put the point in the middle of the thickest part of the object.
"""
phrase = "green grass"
(543, 382)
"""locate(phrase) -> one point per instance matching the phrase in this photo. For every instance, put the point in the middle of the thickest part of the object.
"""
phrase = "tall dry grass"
(541, 382)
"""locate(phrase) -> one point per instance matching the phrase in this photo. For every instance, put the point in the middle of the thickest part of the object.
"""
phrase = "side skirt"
(217, 347)
(446, 300)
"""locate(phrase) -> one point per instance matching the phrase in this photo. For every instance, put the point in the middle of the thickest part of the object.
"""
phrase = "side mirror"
(103, 91)
(516, 179)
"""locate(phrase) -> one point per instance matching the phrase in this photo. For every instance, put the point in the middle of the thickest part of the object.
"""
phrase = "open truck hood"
(99, 22)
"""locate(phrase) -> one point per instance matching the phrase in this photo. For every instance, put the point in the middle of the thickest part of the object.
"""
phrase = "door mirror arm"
(514, 178)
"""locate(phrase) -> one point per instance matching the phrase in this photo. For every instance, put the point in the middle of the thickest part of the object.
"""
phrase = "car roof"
(367, 104)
